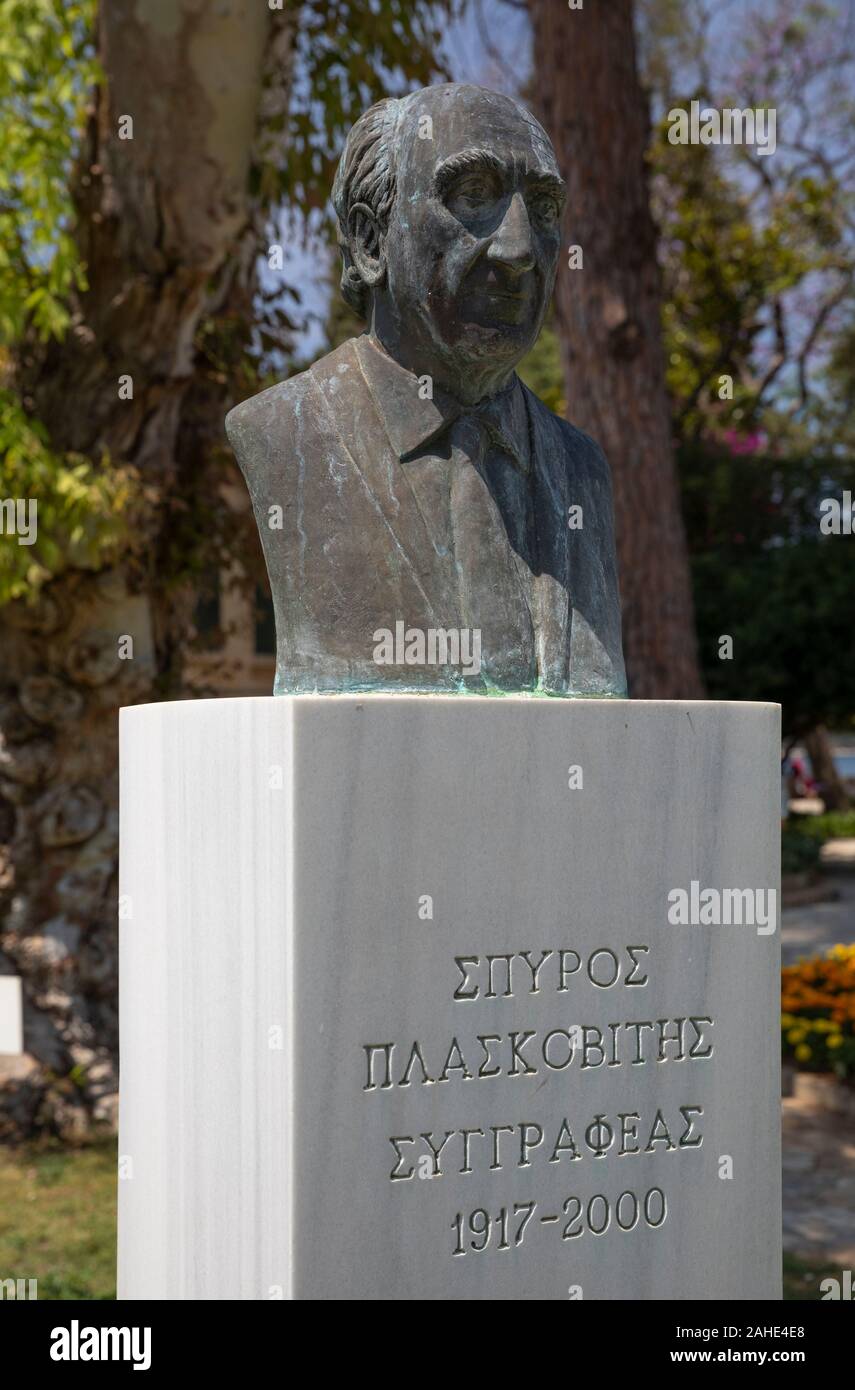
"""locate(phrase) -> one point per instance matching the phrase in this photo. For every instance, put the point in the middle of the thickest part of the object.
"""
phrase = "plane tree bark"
(608, 317)
(164, 227)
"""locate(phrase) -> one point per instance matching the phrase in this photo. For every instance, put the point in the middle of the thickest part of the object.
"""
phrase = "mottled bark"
(592, 104)
(164, 229)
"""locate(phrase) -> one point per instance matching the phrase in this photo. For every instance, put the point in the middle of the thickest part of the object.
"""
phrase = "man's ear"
(366, 244)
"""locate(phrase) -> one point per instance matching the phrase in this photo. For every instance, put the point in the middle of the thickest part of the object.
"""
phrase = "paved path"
(808, 931)
(819, 1184)
(819, 1147)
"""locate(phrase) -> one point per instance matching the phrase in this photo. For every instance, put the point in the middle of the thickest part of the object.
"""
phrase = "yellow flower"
(835, 1040)
(796, 1035)
(803, 1053)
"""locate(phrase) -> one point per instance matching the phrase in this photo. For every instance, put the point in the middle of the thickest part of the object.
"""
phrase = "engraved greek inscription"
(552, 1061)
(491, 962)
(565, 1143)
(370, 1050)
(395, 1175)
(526, 1144)
(437, 1152)
(415, 1056)
(603, 1136)
(535, 969)
(687, 1111)
(565, 970)
(606, 968)
(659, 1134)
(631, 950)
(517, 1055)
(529, 1143)
(535, 1142)
(591, 1047)
(529, 1052)
(485, 1069)
(638, 1059)
(628, 1131)
(694, 1050)
(496, 1130)
(508, 974)
(467, 1135)
(458, 1065)
(463, 963)
(662, 1024)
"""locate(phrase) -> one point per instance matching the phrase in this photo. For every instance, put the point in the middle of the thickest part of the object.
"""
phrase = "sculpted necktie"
(489, 508)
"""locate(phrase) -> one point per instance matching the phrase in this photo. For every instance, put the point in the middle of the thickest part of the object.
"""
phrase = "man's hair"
(366, 174)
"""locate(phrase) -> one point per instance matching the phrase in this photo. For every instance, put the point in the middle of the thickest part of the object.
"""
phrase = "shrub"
(799, 853)
(833, 825)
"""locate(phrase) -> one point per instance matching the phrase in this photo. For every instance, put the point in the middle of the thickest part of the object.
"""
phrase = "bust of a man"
(428, 524)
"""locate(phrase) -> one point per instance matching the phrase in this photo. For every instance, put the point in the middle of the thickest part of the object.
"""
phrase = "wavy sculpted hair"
(365, 182)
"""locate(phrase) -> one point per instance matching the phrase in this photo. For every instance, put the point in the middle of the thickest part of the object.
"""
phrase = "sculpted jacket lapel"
(441, 450)
(410, 584)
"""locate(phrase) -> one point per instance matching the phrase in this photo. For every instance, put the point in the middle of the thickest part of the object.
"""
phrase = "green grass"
(58, 1218)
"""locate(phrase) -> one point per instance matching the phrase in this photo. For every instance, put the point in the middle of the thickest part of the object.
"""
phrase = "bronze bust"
(428, 524)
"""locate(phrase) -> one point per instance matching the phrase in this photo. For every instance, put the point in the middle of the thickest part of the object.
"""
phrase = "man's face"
(474, 235)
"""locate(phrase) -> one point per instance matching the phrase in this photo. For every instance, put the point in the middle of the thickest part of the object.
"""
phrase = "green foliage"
(81, 508)
(758, 252)
(833, 825)
(542, 369)
(764, 575)
(725, 269)
(788, 609)
(46, 69)
(799, 854)
(349, 53)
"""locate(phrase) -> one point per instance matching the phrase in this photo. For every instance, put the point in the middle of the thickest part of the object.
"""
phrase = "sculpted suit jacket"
(381, 502)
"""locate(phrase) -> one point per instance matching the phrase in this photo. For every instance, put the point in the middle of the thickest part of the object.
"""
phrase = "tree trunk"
(608, 319)
(163, 225)
(830, 783)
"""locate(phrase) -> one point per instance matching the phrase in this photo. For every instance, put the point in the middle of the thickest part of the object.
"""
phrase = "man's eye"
(473, 191)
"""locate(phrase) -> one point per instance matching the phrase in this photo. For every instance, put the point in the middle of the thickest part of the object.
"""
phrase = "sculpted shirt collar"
(413, 423)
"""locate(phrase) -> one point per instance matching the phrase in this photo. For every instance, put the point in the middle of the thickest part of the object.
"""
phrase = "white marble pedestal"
(403, 1015)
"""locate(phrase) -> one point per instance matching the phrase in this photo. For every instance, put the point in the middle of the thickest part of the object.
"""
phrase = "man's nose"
(511, 245)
